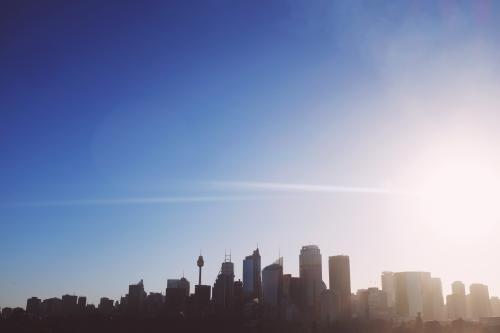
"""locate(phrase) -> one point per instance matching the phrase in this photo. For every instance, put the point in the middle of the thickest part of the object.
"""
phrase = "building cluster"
(270, 293)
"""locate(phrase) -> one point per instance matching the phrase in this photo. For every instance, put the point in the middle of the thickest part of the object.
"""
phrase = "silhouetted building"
(105, 306)
(479, 301)
(456, 303)
(33, 306)
(154, 303)
(389, 287)
(330, 306)
(52, 307)
(69, 304)
(252, 284)
(495, 306)
(202, 298)
(272, 278)
(372, 304)
(340, 282)
(135, 298)
(310, 272)
(81, 303)
(223, 291)
(413, 294)
(438, 310)
(181, 283)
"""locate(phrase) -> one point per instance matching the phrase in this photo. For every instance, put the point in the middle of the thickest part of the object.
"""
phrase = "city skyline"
(135, 134)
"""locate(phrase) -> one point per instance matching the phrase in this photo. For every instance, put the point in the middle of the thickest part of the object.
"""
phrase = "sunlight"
(459, 192)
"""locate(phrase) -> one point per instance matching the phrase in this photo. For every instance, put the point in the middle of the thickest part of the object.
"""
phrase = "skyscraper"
(437, 299)
(456, 303)
(388, 286)
(252, 284)
(223, 290)
(413, 294)
(310, 273)
(479, 301)
(340, 282)
(272, 285)
(136, 296)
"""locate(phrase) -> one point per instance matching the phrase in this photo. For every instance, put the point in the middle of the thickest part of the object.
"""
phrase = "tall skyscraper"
(223, 290)
(413, 294)
(135, 298)
(340, 282)
(252, 284)
(389, 287)
(272, 285)
(437, 299)
(456, 303)
(181, 283)
(479, 301)
(310, 273)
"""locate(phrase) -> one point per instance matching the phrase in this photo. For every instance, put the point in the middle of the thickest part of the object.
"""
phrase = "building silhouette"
(389, 287)
(340, 282)
(438, 309)
(310, 273)
(223, 290)
(456, 303)
(479, 301)
(33, 306)
(252, 283)
(272, 285)
(413, 295)
(135, 298)
(371, 304)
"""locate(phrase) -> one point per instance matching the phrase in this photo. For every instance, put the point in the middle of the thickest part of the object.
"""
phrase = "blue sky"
(104, 107)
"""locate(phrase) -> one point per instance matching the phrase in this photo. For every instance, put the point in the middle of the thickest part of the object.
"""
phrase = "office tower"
(329, 306)
(223, 290)
(33, 305)
(106, 305)
(69, 304)
(200, 264)
(479, 301)
(372, 304)
(388, 286)
(310, 273)
(413, 294)
(81, 303)
(135, 298)
(456, 303)
(154, 303)
(52, 306)
(181, 283)
(340, 282)
(437, 299)
(458, 288)
(495, 306)
(252, 284)
(272, 285)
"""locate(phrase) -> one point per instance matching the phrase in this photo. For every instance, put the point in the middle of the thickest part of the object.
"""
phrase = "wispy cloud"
(294, 187)
(136, 201)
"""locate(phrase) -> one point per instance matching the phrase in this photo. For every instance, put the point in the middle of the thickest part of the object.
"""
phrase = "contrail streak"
(292, 187)
(135, 201)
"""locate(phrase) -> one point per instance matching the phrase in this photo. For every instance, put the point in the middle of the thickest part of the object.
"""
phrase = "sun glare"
(459, 193)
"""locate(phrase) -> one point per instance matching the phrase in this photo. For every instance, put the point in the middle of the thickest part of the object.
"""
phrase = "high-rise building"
(252, 284)
(479, 301)
(69, 304)
(223, 290)
(33, 305)
(272, 285)
(106, 305)
(135, 298)
(310, 273)
(181, 283)
(413, 295)
(495, 306)
(81, 303)
(438, 310)
(372, 304)
(456, 303)
(389, 287)
(340, 282)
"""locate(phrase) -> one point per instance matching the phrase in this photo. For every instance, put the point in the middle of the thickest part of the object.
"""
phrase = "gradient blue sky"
(104, 106)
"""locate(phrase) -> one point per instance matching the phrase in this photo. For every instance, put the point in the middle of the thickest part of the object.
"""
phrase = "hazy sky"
(134, 134)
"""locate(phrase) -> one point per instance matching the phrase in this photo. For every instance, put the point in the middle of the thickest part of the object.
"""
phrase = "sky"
(134, 135)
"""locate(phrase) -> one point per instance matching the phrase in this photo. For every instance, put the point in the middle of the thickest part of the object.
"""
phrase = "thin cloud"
(293, 187)
(135, 201)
